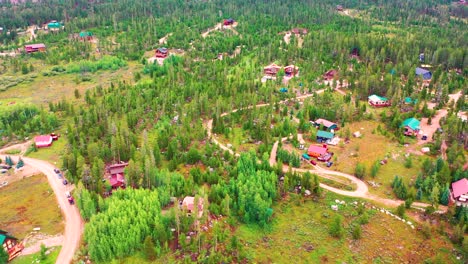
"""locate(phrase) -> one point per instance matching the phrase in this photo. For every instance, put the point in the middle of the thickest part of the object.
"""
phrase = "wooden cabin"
(117, 175)
(291, 71)
(10, 244)
(411, 126)
(271, 70)
(34, 48)
(330, 75)
(161, 52)
(378, 101)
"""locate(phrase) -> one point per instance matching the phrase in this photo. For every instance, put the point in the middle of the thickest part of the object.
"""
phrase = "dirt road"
(73, 222)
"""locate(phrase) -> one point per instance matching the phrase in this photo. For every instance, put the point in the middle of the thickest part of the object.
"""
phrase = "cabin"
(271, 70)
(43, 141)
(34, 48)
(424, 74)
(328, 125)
(317, 151)
(161, 52)
(86, 35)
(459, 192)
(339, 7)
(330, 75)
(10, 244)
(291, 71)
(378, 101)
(299, 31)
(188, 204)
(228, 22)
(117, 175)
(324, 136)
(411, 126)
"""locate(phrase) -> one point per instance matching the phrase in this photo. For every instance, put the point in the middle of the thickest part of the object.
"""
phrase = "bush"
(360, 170)
(357, 232)
(400, 211)
(336, 227)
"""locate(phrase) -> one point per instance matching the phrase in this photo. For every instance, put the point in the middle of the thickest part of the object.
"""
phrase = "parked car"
(329, 164)
(54, 136)
(56, 170)
(325, 157)
(59, 175)
(5, 183)
(3, 171)
(424, 137)
(70, 198)
(6, 167)
(313, 162)
(65, 182)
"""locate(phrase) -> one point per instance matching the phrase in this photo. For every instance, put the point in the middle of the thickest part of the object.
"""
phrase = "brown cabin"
(330, 75)
(34, 48)
(291, 70)
(271, 70)
(10, 244)
(161, 53)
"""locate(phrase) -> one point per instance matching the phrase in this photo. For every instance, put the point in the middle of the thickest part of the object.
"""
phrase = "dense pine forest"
(156, 120)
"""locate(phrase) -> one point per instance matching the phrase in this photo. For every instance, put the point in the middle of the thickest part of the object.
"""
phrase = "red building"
(330, 75)
(34, 48)
(117, 176)
(189, 205)
(10, 245)
(299, 31)
(43, 141)
(271, 70)
(228, 22)
(161, 52)
(459, 192)
(317, 151)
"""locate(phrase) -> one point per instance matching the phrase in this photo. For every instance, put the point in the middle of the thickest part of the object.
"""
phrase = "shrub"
(357, 232)
(336, 227)
(360, 170)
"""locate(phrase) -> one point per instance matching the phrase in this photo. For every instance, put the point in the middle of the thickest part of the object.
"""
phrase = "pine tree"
(148, 247)
(445, 196)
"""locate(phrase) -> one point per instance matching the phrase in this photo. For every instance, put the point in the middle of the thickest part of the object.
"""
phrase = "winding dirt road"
(73, 222)
(362, 191)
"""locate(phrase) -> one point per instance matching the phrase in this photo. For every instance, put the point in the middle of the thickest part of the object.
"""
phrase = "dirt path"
(23, 147)
(73, 222)
(49, 242)
(216, 27)
(362, 191)
(163, 40)
(32, 33)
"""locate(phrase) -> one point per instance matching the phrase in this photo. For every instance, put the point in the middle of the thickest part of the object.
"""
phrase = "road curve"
(73, 222)
(362, 191)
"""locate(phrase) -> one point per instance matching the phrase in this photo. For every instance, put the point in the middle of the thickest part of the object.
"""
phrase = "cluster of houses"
(10, 244)
(271, 71)
(325, 135)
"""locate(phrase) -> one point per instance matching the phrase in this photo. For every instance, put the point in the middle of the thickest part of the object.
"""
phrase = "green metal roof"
(85, 34)
(2, 239)
(325, 134)
(408, 100)
(413, 123)
(53, 25)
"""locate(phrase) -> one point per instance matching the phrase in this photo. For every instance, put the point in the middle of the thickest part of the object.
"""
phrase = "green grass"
(299, 234)
(51, 154)
(35, 257)
(13, 151)
(27, 204)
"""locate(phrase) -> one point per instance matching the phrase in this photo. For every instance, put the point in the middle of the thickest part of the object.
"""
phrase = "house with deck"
(117, 175)
(324, 136)
(10, 244)
(43, 141)
(291, 71)
(188, 204)
(317, 151)
(161, 53)
(378, 101)
(34, 48)
(327, 125)
(271, 70)
(330, 75)
(459, 192)
(411, 126)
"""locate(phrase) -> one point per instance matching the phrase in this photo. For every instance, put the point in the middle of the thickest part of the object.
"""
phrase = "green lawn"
(34, 258)
(27, 204)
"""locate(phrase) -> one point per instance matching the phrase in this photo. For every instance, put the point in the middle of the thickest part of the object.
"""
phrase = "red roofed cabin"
(459, 192)
(161, 53)
(317, 151)
(188, 204)
(10, 244)
(330, 75)
(299, 31)
(43, 141)
(228, 22)
(271, 70)
(291, 71)
(117, 178)
(34, 48)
